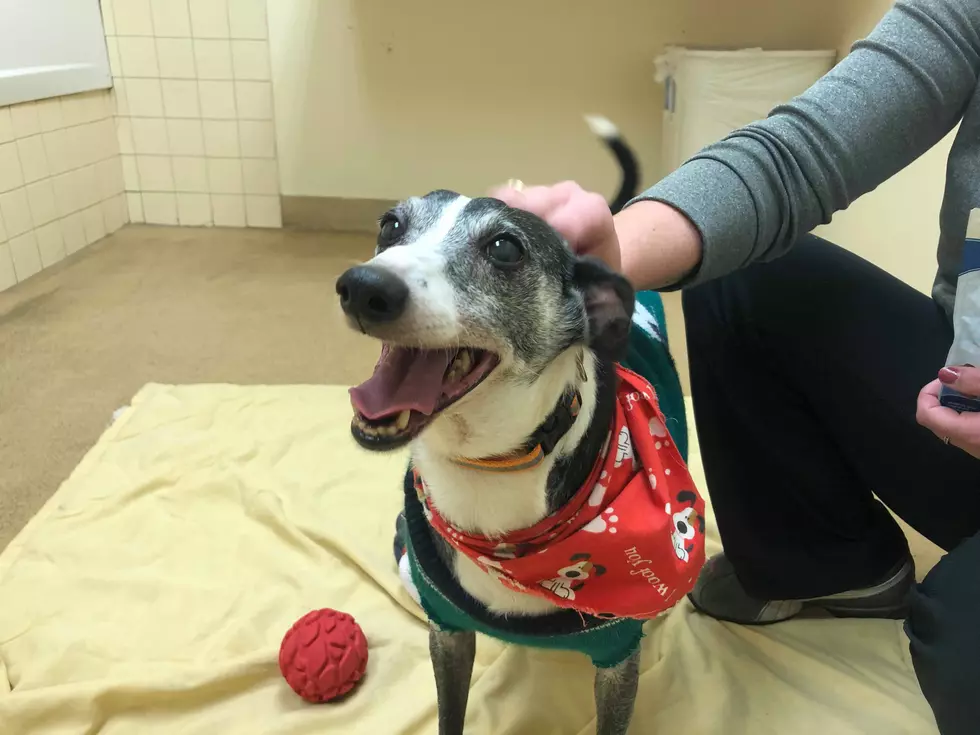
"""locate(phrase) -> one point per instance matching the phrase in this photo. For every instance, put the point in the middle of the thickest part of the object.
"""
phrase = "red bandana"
(629, 544)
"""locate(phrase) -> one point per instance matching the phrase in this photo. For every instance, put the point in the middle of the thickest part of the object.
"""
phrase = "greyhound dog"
(546, 503)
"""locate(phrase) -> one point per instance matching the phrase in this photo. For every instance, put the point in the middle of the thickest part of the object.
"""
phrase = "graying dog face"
(481, 274)
(463, 291)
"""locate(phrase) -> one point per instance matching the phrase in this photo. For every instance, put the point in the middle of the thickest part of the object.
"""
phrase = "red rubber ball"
(323, 655)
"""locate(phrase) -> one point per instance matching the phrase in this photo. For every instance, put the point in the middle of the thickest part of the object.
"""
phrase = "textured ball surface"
(323, 655)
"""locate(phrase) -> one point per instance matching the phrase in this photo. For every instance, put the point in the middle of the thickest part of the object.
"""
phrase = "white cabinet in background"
(711, 93)
(50, 48)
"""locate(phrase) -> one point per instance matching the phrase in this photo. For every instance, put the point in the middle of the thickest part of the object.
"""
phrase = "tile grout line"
(232, 78)
(101, 202)
(238, 122)
(31, 230)
(163, 103)
(52, 175)
(203, 119)
(192, 37)
(197, 83)
(205, 155)
(58, 130)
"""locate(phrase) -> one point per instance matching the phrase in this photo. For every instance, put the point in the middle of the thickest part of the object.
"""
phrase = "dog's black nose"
(372, 294)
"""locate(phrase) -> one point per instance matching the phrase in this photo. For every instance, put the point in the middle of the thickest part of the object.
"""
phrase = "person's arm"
(657, 245)
(752, 195)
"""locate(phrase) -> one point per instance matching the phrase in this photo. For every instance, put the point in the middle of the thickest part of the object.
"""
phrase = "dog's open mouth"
(409, 387)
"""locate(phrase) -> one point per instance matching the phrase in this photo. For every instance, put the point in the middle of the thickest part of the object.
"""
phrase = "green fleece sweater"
(607, 642)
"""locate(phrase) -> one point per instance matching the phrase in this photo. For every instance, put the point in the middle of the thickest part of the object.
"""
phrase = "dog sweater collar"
(541, 443)
(630, 543)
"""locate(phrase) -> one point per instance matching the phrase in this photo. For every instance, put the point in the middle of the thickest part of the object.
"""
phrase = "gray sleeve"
(898, 93)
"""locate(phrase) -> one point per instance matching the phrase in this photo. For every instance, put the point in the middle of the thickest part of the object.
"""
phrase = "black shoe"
(718, 593)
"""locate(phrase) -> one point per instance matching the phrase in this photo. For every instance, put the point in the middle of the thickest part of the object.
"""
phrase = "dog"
(573, 577)
(688, 523)
(500, 367)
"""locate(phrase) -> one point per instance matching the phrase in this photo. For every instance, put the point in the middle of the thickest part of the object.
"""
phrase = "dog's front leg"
(615, 694)
(452, 656)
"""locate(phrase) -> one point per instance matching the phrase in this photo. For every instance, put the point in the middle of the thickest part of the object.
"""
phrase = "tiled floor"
(172, 305)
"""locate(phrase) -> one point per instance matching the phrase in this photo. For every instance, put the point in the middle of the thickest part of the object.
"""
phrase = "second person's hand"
(962, 430)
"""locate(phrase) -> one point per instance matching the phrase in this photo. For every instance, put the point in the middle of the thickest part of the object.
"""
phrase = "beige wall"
(383, 100)
(897, 225)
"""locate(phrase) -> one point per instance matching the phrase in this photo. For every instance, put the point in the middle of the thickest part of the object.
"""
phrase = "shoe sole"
(854, 608)
(889, 612)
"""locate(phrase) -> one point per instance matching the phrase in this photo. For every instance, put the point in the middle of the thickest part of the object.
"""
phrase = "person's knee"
(701, 308)
(748, 296)
(944, 638)
(715, 309)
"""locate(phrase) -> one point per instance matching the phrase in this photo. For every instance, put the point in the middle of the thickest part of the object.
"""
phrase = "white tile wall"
(194, 112)
(61, 181)
(186, 137)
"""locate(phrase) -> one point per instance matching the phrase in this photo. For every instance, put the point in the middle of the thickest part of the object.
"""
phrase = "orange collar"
(541, 443)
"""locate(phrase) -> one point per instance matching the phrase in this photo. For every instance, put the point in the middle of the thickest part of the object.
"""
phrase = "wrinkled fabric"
(151, 593)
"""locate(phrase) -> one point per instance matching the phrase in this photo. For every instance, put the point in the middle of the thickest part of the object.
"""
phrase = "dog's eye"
(391, 230)
(505, 252)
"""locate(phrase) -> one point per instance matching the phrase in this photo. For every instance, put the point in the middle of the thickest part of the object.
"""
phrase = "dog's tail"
(625, 157)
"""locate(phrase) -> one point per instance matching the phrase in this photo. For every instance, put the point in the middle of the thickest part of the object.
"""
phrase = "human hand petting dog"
(581, 217)
(962, 430)
(651, 243)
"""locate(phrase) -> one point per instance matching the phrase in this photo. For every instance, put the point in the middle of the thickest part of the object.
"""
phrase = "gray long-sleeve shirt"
(898, 93)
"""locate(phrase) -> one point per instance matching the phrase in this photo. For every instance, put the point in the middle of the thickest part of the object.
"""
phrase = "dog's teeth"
(364, 427)
(401, 422)
(460, 367)
(452, 375)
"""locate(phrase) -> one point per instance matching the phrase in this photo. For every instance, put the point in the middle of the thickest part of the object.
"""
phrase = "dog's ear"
(609, 300)
(599, 570)
(580, 557)
(700, 519)
(686, 496)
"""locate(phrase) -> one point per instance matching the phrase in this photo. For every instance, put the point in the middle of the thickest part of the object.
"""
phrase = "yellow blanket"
(151, 593)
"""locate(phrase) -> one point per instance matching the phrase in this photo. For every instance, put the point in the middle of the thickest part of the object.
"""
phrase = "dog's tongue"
(403, 379)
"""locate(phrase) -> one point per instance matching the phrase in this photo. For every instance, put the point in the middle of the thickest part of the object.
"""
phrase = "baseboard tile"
(333, 214)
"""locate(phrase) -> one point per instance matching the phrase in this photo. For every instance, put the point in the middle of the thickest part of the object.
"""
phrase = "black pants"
(804, 374)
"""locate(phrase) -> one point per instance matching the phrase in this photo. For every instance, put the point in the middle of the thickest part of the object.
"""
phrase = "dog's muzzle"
(370, 294)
